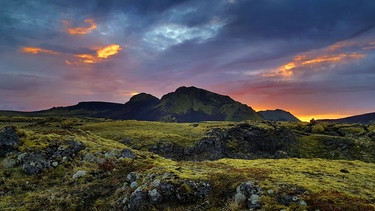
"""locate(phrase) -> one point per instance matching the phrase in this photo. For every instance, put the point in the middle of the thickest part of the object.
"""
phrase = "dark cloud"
(294, 18)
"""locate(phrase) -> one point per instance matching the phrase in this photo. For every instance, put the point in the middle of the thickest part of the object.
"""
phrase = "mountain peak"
(143, 97)
(190, 104)
(278, 115)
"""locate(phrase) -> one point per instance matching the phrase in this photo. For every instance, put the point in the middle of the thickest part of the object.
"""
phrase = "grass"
(141, 134)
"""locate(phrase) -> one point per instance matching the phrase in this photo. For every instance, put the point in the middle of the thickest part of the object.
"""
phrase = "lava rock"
(8, 140)
(35, 162)
(131, 177)
(243, 141)
(250, 192)
(127, 153)
(138, 200)
(78, 174)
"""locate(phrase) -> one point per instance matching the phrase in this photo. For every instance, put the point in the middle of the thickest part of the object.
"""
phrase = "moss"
(352, 131)
(333, 200)
(318, 128)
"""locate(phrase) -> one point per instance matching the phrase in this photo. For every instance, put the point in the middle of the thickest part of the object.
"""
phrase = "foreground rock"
(8, 140)
(39, 161)
(160, 191)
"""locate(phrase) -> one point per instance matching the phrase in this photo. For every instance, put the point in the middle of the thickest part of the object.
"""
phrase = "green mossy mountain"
(191, 104)
(278, 115)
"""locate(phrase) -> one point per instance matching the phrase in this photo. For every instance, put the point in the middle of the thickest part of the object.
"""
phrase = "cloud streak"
(321, 59)
(35, 50)
(80, 30)
(102, 54)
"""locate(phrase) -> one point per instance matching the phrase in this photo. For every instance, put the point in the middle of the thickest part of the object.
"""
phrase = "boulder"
(8, 140)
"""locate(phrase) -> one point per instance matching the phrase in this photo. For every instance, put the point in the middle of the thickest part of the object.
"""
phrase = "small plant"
(107, 166)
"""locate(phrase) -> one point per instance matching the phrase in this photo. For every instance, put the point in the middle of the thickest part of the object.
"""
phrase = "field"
(101, 164)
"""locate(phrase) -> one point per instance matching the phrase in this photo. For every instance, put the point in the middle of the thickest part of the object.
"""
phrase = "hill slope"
(278, 115)
(362, 118)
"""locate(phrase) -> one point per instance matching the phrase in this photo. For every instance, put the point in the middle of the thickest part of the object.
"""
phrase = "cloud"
(80, 30)
(101, 54)
(108, 51)
(166, 35)
(333, 55)
(35, 50)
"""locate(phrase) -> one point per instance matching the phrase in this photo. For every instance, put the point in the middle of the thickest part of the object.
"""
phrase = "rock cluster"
(243, 141)
(249, 194)
(8, 140)
(38, 161)
(291, 194)
(160, 191)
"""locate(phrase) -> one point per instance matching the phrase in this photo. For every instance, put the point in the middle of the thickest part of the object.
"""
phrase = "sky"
(314, 58)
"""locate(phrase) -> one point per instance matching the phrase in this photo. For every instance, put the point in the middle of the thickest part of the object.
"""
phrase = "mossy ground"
(330, 183)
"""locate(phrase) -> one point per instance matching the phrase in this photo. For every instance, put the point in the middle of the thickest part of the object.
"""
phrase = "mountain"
(278, 115)
(185, 104)
(191, 104)
(83, 109)
(139, 107)
(362, 118)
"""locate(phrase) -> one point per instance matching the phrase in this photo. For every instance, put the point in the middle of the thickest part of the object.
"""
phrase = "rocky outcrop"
(8, 140)
(160, 191)
(243, 141)
(38, 161)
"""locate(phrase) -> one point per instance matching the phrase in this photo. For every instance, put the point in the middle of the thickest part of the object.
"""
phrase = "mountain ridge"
(278, 115)
(185, 104)
(366, 118)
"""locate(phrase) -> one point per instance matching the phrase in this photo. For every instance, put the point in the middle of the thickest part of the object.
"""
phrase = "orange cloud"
(301, 61)
(325, 56)
(101, 54)
(87, 58)
(34, 50)
(81, 30)
(341, 44)
(109, 50)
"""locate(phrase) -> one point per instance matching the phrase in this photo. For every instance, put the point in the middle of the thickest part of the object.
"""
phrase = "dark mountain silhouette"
(139, 107)
(362, 118)
(186, 104)
(83, 109)
(278, 115)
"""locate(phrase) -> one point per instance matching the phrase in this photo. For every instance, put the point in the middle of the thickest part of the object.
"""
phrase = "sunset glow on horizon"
(253, 51)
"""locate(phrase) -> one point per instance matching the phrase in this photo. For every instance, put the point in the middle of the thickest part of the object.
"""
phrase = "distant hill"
(82, 109)
(278, 115)
(362, 118)
(185, 104)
